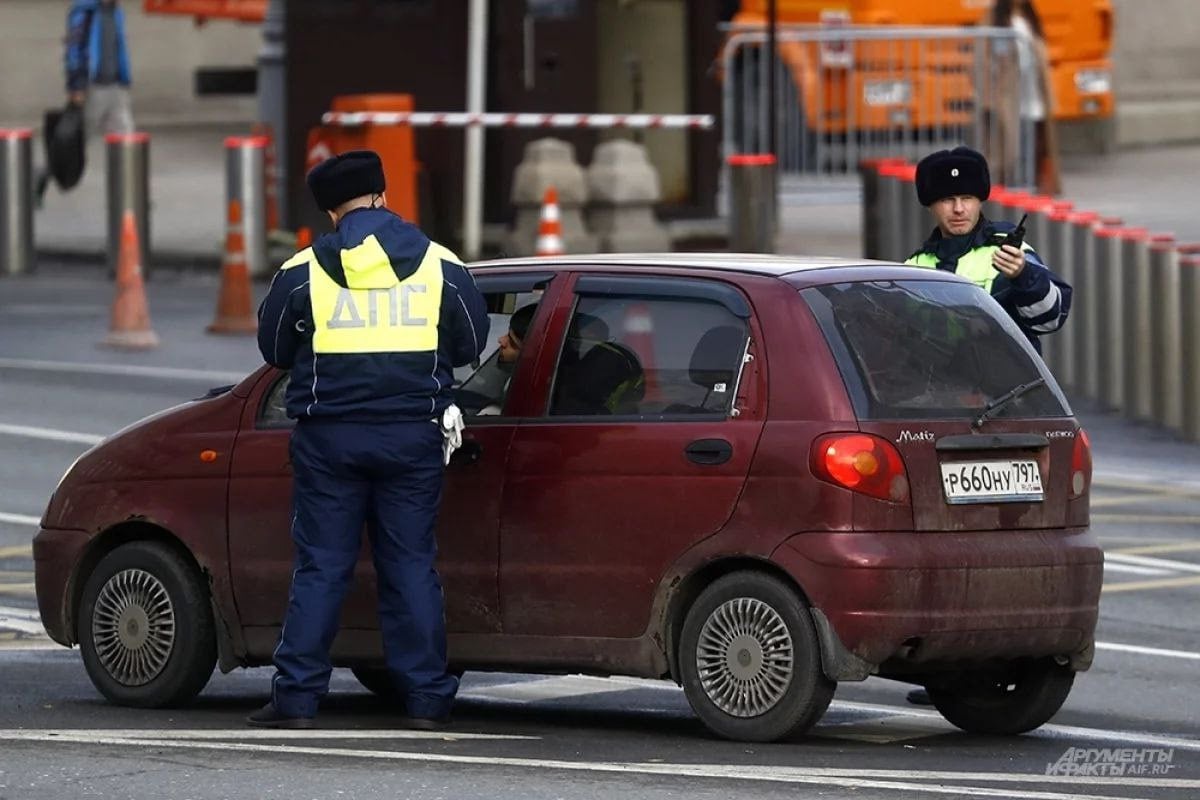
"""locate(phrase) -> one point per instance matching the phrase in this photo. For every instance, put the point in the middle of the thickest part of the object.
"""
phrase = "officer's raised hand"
(1009, 261)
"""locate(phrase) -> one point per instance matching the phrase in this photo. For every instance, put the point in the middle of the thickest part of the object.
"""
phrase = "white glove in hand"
(452, 428)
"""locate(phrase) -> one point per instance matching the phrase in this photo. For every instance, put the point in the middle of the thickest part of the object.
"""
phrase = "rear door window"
(930, 349)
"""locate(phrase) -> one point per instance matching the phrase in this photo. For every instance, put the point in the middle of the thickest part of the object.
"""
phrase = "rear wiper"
(993, 408)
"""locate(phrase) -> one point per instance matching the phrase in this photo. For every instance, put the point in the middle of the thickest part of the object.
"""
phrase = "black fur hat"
(950, 172)
(357, 173)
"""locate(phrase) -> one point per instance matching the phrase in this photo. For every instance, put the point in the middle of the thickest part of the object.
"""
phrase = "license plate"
(992, 482)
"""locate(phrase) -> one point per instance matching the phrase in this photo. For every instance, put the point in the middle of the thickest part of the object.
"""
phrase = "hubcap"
(133, 627)
(745, 657)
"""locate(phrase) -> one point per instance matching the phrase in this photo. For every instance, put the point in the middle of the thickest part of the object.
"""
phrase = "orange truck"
(934, 89)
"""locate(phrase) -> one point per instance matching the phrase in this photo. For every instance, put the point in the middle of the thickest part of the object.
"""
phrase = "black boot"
(269, 717)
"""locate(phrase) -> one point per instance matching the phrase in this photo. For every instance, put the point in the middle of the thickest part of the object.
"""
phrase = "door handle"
(468, 453)
(709, 452)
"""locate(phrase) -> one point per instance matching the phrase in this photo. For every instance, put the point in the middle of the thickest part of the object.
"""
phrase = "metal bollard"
(16, 201)
(1085, 328)
(917, 223)
(1134, 295)
(245, 183)
(991, 206)
(753, 217)
(1110, 319)
(891, 206)
(874, 212)
(1060, 258)
(128, 158)
(1165, 332)
(1189, 296)
(872, 222)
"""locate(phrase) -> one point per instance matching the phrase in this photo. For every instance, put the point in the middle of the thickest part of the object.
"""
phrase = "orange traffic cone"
(235, 313)
(304, 238)
(550, 241)
(129, 328)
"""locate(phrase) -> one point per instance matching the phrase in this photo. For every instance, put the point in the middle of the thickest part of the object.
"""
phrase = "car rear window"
(929, 349)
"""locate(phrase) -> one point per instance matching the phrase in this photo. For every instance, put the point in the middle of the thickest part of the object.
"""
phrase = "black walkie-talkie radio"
(1016, 237)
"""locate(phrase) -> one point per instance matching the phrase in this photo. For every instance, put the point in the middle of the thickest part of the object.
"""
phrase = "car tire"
(378, 681)
(1016, 703)
(145, 627)
(750, 661)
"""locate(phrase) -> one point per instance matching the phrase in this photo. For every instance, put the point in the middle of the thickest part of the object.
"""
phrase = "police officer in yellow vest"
(371, 320)
(953, 184)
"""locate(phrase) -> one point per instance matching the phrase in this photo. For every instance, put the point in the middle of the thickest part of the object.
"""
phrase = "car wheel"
(378, 681)
(750, 661)
(1019, 701)
(145, 627)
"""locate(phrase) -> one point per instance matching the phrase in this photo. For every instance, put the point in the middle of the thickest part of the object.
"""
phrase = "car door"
(468, 521)
(639, 448)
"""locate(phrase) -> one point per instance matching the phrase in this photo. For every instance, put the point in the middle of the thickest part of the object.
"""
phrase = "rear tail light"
(1081, 465)
(861, 463)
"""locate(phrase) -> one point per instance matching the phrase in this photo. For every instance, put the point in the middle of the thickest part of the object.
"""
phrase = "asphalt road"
(546, 736)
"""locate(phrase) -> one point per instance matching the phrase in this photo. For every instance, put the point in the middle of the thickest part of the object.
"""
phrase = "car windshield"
(930, 349)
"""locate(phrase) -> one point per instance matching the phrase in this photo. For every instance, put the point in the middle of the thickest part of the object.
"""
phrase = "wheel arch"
(689, 588)
(134, 530)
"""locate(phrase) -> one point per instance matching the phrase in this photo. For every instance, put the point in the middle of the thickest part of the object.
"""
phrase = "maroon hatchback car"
(757, 476)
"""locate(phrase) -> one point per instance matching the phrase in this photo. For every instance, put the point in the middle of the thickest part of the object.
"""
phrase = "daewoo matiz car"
(757, 476)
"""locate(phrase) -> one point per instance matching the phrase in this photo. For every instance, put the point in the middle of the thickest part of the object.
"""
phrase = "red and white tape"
(434, 119)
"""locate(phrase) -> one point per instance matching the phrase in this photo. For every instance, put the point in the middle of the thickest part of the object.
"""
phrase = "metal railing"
(844, 94)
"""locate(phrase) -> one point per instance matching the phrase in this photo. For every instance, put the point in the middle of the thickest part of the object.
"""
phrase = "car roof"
(800, 271)
(755, 263)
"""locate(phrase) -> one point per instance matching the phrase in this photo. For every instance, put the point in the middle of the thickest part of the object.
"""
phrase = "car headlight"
(887, 93)
(1093, 81)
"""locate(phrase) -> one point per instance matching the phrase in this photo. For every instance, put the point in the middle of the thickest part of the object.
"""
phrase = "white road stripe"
(1111, 565)
(123, 370)
(239, 734)
(910, 781)
(1147, 561)
(19, 519)
(27, 614)
(50, 434)
(1127, 738)
(1147, 651)
(21, 624)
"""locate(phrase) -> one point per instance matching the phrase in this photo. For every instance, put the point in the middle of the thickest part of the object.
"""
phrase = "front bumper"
(56, 557)
(901, 601)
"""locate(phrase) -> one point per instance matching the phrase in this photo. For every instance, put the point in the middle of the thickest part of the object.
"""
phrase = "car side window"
(482, 389)
(273, 413)
(649, 355)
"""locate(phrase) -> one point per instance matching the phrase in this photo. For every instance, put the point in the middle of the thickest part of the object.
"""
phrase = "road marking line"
(748, 773)
(218, 734)
(50, 434)
(1150, 549)
(1155, 519)
(1115, 566)
(1149, 651)
(1164, 583)
(1046, 731)
(1145, 483)
(18, 589)
(125, 370)
(1128, 499)
(21, 622)
(1160, 563)
(17, 519)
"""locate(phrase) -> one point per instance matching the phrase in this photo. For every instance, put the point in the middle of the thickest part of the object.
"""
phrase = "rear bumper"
(56, 554)
(903, 601)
